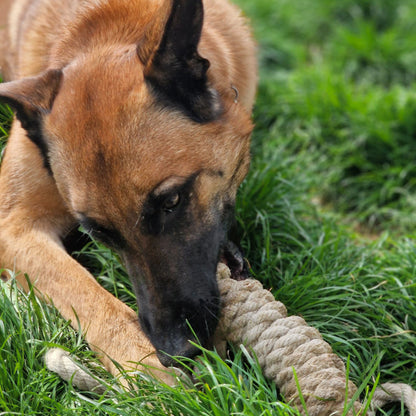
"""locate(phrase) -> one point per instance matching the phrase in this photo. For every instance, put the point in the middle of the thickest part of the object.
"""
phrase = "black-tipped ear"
(31, 98)
(177, 72)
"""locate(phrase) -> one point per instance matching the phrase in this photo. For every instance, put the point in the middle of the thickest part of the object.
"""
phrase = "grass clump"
(27, 328)
(5, 123)
(345, 91)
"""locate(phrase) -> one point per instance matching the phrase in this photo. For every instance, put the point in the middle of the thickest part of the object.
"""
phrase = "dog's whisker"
(210, 312)
(137, 222)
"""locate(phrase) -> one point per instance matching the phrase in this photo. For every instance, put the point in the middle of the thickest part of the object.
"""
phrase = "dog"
(133, 120)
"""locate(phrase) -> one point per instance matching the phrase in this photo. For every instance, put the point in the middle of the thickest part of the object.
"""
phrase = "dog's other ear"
(31, 97)
(177, 72)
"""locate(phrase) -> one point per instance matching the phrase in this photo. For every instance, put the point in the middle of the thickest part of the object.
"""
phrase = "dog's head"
(147, 151)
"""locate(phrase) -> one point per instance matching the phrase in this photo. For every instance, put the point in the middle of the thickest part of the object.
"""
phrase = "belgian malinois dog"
(133, 119)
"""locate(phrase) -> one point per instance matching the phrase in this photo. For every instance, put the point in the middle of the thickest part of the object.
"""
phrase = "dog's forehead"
(110, 112)
(98, 86)
(115, 181)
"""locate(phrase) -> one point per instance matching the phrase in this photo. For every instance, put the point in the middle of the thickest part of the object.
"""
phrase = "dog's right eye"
(171, 202)
(165, 209)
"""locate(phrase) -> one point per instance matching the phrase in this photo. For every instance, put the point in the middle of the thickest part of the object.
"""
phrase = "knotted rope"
(60, 362)
(285, 346)
(290, 353)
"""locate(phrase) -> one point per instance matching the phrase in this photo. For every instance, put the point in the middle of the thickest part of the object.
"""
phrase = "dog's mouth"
(233, 257)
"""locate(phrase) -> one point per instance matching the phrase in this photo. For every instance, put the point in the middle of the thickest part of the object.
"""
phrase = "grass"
(326, 215)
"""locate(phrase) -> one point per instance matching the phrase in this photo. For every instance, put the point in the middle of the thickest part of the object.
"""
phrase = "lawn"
(327, 219)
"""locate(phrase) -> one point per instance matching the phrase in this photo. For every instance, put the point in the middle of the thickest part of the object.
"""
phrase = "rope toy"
(287, 350)
(60, 362)
(283, 344)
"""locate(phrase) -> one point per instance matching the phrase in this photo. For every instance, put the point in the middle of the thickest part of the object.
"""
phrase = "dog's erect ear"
(177, 72)
(31, 98)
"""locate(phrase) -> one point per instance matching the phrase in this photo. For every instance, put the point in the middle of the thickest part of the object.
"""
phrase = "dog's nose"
(173, 358)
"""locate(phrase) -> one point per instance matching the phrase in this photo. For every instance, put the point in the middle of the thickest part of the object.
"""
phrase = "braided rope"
(284, 346)
(390, 392)
(60, 362)
(252, 316)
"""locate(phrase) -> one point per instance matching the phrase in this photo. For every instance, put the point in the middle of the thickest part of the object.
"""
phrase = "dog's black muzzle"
(179, 316)
(180, 313)
(177, 292)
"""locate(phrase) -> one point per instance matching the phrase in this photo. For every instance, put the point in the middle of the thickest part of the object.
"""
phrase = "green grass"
(327, 219)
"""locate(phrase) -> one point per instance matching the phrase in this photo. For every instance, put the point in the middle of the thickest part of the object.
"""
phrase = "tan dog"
(133, 120)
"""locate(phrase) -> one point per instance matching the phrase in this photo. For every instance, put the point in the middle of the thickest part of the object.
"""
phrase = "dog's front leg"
(110, 327)
(32, 218)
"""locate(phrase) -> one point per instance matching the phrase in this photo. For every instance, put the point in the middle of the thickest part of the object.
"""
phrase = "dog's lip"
(235, 261)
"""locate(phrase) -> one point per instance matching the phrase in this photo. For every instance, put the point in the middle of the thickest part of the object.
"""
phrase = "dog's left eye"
(171, 202)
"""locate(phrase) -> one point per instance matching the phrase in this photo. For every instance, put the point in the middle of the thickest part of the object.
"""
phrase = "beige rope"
(251, 316)
(285, 346)
(60, 362)
(390, 392)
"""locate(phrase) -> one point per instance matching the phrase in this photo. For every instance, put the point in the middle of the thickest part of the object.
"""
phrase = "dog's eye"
(171, 202)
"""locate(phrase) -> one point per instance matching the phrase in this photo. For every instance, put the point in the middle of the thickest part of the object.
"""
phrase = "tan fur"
(38, 209)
